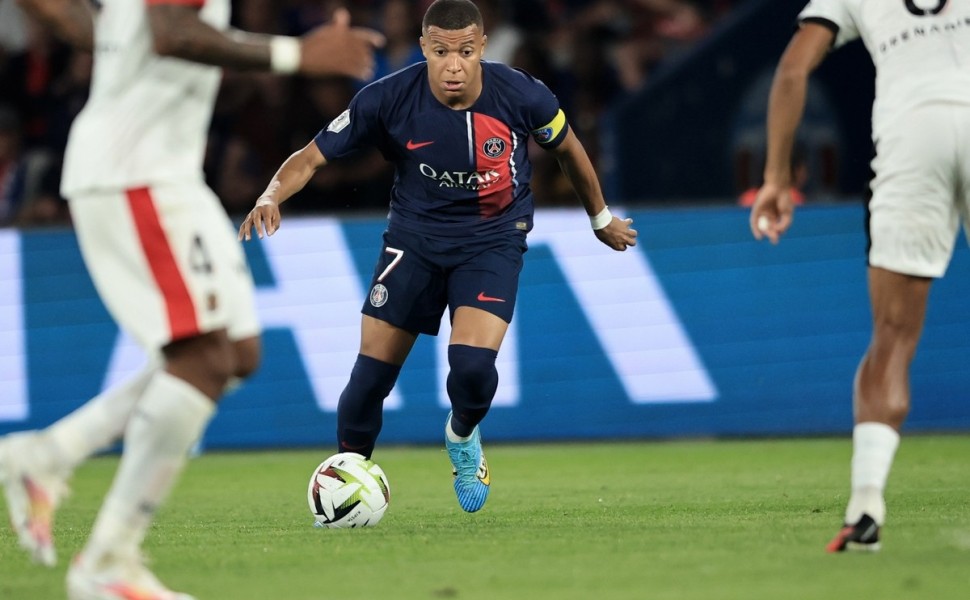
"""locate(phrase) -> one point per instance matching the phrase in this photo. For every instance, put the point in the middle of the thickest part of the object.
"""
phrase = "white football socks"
(454, 437)
(97, 424)
(166, 422)
(874, 446)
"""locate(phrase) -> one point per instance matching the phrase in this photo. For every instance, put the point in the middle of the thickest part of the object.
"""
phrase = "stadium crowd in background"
(590, 52)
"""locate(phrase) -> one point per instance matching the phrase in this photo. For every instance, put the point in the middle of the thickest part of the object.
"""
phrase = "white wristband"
(284, 54)
(601, 220)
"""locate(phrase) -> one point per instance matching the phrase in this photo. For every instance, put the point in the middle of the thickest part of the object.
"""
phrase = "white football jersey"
(921, 49)
(147, 117)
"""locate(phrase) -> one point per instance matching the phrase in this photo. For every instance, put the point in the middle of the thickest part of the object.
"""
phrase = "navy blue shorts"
(417, 277)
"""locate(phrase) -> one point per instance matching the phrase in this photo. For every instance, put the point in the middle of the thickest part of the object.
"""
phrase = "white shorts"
(920, 191)
(166, 263)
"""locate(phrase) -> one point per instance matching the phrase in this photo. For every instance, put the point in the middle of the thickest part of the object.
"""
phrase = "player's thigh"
(407, 288)
(913, 213)
(898, 303)
(162, 262)
(385, 342)
(232, 279)
(475, 327)
(488, 279)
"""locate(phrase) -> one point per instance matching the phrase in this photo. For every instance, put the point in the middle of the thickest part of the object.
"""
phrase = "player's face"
(454, 64)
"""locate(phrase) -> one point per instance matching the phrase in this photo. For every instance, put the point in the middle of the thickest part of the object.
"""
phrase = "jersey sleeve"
(353, 129)
(834, 14)
(547, 122)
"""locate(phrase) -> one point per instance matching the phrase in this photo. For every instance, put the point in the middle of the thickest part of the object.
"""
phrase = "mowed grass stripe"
(676, 520)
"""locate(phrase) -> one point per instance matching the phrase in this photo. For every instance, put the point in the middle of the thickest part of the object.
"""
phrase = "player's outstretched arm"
(71, 20)
(334, 48)
(289, 179)
(614, 232)
(773, 209)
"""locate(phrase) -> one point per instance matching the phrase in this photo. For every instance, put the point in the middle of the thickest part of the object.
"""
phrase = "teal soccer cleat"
(472, 478)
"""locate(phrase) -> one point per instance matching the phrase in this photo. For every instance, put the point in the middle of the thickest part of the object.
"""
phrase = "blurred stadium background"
(699, 332)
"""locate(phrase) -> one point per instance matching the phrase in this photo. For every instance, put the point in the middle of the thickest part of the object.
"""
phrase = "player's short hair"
(452, 15)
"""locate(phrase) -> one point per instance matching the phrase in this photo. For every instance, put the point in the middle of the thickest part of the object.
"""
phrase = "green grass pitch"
(679, 520)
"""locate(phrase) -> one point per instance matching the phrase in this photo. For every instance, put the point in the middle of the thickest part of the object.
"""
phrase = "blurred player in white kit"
(163, 255)
(920, 194)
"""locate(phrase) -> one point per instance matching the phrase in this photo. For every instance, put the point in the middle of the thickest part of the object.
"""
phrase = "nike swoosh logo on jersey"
(412, 145)
(483, 298)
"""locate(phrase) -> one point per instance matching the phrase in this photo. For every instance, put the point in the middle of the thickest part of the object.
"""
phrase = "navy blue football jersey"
(457, 172)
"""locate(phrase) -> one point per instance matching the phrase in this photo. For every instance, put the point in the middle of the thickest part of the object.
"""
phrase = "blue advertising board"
(698, 331)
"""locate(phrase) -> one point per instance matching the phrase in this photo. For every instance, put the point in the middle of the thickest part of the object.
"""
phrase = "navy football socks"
(472, 382)
(361, 406)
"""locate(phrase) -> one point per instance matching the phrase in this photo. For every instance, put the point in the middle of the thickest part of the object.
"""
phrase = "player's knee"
(898, 328)
(372, 378)
(472, 371)
(206, 361)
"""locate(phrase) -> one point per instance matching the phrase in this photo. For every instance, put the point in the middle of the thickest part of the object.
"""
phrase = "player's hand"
(618, 235)
(336, 48)
(772, 212)
(264, 219)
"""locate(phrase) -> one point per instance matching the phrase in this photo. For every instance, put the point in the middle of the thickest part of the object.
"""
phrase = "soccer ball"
(347, 490)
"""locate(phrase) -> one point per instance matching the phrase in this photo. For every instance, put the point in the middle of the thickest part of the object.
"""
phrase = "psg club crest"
(378, 296)
(493, 147)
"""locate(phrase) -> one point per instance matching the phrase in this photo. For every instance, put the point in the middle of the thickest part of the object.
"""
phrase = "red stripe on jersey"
(493, 154)
(178, 303)
(195, 3)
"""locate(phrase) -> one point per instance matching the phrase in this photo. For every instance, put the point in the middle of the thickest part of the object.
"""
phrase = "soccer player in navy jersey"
(456, 128)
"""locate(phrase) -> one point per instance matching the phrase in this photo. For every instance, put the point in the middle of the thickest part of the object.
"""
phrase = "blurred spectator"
(402, 28)
(260, 118)
(815, 155)
(355, 183)
(28, 78)
(13, 29)
(504, 36)
(247, 138)
(678, 23)
(43, 84)
(549, 186)
(302, 15)
(591, 53)
(68, 93)
(573, 57)
(12, 168)
(28, 179)
(799, 177)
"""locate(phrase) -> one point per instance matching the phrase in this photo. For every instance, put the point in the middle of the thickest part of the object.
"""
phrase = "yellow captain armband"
(551, 130)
